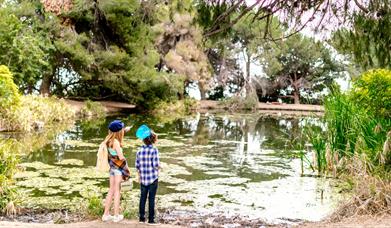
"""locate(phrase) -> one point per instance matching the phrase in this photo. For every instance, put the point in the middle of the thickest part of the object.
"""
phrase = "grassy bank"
(24, 115)
(357, 143)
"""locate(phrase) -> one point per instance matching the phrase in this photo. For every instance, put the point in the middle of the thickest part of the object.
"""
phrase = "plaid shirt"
(147, 163)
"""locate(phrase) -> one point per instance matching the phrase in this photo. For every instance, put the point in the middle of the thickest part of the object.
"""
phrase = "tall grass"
(351, 130)
(36, 112)
(9, 158)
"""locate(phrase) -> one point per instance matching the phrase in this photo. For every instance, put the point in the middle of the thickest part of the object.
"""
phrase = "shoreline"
(204, 106)
(380, 221)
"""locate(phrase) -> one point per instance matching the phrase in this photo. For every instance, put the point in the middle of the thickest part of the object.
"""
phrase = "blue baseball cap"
(143, 132)
(116, 125)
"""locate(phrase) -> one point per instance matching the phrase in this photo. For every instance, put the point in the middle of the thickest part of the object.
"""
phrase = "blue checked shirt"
(147, 163)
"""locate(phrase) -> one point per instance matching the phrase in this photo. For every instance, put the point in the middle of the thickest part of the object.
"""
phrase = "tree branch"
(362, 7)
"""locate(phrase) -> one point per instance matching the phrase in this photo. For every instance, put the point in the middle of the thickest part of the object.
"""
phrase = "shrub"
(36, 112)
(95, 206)
(9, 157)
(238, 102)
(9, 94)
(93, 109)
(373, 91)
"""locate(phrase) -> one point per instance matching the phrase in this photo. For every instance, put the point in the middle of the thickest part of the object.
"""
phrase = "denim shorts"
(115, 172)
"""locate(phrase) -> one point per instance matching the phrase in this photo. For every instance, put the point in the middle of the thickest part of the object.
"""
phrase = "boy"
(147, 165)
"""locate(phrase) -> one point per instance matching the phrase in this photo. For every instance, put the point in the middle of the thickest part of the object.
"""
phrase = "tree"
(87, 48)
(23, 49)
(180, 44)
(300, 63)
(249, 38)
(368, 39)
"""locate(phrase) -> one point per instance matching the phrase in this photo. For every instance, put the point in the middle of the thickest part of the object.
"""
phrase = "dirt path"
(92, 224)
(354, 222)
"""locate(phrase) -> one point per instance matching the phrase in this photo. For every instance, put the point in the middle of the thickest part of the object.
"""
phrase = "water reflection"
(236, 164)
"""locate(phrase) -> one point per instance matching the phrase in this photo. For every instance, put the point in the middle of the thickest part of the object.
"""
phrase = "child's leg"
(143, 200)
(151, 201)
(109, 197)
(117, 193)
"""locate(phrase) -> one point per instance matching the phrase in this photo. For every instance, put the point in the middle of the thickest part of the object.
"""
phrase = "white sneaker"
(107, 218)
(118, 218)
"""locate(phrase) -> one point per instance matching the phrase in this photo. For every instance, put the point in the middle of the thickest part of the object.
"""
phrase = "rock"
(38, 125)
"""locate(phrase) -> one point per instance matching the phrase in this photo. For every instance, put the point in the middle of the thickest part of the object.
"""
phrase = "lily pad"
(75, 173)
(74, 162)
(37, 165)
(41, 182)
(26, 174)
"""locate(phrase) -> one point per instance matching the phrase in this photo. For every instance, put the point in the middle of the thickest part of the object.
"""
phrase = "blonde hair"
(112, 136)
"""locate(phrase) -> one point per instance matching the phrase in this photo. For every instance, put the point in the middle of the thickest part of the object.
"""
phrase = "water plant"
(95, 206)
(357, 142)
(9, 158)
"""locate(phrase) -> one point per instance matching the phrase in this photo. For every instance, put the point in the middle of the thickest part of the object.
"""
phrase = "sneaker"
(153, 224)
(141, 221)
(118, 218)
(107, 218)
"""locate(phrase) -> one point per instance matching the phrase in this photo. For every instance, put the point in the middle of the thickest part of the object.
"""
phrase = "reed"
(351, 130)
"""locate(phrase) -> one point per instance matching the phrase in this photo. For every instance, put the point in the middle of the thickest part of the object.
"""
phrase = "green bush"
(36, 112)
(9, 94)
(9, 157)
(241, 103)
(373, 91)
(351, 131)
(95, 206)
(93, 109)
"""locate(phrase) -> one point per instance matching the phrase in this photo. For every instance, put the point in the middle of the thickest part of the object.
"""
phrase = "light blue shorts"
(115, 172)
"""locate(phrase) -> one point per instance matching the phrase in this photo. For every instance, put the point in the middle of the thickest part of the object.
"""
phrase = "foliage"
(179, 42)
(369, 37)
(351, 131)
(93, 109)
(300, 63)
(9, 94)
(373, 91)
(241, 103)
(9, 155)
(23, 49)
(86, 49)
(95, 206)
(37, 112)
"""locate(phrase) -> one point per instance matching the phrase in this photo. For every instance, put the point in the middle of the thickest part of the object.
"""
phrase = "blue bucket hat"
(116, 125)
(143, 132)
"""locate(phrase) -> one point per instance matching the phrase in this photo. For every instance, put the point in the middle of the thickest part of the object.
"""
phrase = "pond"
(235, 165)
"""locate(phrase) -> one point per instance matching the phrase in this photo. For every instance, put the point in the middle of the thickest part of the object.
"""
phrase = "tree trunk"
(296, 97)
(202, 89)
(296, 92)
(247, 81)
(45, 85)
(30, 89)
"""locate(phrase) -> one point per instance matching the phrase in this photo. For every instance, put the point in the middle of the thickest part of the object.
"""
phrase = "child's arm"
(117, 148)
(156, 160)
(137, 165)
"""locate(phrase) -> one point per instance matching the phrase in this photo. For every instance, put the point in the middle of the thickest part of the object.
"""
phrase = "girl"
(119, 170)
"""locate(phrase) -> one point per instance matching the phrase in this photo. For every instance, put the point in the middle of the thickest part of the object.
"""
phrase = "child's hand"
(127, 129)
(121, 158)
